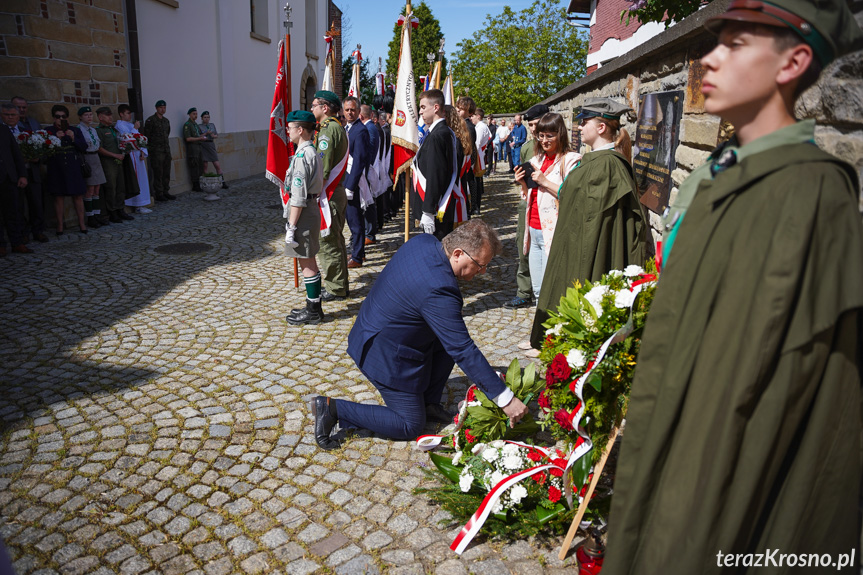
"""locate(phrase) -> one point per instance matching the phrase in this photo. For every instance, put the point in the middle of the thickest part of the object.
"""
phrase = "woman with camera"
(64, 168)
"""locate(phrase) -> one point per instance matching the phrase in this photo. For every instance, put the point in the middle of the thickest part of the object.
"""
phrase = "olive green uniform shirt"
(158, 131)
(109, 139)
(331, 142)
(192, 130)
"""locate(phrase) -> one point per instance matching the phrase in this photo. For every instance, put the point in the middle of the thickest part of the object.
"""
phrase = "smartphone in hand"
(528, 175)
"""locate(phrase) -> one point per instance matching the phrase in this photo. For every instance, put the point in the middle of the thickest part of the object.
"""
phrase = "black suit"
(35, 199)
(435, 173)
(11, 169)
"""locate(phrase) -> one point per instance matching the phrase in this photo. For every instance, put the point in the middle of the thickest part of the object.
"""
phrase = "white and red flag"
(279, 147)
(448, 93)
(405, 133)
(328, 81)
(380, 90)
(354, 89)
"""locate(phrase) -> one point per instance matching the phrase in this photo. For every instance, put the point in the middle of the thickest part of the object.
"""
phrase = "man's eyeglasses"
(481, 267)
(61, 116)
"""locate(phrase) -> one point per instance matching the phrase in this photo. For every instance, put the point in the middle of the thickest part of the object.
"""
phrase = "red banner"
(279, 147)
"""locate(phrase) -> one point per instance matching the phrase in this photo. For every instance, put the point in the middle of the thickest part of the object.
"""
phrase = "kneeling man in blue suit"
(410, 333)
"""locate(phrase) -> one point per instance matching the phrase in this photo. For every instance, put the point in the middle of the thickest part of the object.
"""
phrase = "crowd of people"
(100, 164)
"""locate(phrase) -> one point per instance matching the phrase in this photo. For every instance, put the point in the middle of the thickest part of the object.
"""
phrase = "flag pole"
(406, 173)
(287, 69)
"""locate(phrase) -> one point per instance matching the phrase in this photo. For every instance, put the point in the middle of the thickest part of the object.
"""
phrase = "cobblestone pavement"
(154, 416)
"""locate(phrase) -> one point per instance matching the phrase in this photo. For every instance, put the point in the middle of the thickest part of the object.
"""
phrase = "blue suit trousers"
(357, 224)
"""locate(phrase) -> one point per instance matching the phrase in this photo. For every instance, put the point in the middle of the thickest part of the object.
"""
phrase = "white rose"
(512, 462)
(457, 457)
(496, 478)
(489, 454)
(575, 358)
(498, 507)
(594, 296)
(615, 273)
(477, 448)
(498, 443)
(633, 271)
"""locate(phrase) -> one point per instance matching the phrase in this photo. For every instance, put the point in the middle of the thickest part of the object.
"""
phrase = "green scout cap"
(190, 110)
(329, 97)
(300, 116)
(536, 112)
(828, 26)
(83, 110)
(602, 108)
(160, 103)
(104, 110)
(205, 113)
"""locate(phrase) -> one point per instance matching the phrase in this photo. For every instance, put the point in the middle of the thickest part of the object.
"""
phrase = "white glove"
(427, 222)
(349, 194)
(289, 236)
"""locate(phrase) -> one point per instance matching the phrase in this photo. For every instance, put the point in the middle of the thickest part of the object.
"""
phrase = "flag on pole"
(434, 81)
(329, 71)
(279, 148)
(448, 93)
(379, 84)
(354, 89)
(405, 133)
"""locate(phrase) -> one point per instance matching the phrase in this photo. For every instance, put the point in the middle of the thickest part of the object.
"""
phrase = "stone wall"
(671, 61)
(54, 51)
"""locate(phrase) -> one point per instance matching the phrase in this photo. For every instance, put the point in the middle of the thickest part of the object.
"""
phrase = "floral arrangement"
(515, 489)
(38, 145)
(604, 317)
(135, 140)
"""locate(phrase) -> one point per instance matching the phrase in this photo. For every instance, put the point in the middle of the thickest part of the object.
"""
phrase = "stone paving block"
(452, 567)
(364, 564)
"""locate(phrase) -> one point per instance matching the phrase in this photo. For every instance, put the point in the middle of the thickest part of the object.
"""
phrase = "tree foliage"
(516, 59)
(424, 40)
(646, 11)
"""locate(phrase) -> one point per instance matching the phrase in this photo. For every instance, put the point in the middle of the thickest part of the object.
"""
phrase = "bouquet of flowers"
(125, 145)
(135, 141)
(591, 346)
(38, 145)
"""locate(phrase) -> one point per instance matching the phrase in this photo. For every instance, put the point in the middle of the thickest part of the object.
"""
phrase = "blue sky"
(372, 22)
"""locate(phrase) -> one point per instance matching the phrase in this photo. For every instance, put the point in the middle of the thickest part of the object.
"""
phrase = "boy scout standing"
(305, 182)
(743, 430)
(114, 189)
(332, 146)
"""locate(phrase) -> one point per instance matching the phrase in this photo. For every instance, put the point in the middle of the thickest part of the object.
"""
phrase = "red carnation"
(470, 438)
(563, 419)
(548, 340)
(471, 394)
(549, 378)
(539, 478)
(583, 491)
(560, 367)
(453, 440)
(543, 400)
(534, 455)
(553, 494)
(455, 419)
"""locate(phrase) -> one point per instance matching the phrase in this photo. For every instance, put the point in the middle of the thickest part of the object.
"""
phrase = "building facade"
(216, 55)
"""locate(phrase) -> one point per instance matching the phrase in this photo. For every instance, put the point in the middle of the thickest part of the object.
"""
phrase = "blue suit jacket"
(414, 307)
(374, 142)
(358, 139)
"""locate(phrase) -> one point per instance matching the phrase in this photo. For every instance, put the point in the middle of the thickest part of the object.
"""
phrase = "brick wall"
(608, 24)
(71, 52)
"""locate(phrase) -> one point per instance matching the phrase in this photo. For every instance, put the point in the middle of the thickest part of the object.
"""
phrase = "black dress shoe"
(124, 216)
(436, 413)
(326, 418)
(327, 296)
(115, 219)
(170, 196)
(40, 237)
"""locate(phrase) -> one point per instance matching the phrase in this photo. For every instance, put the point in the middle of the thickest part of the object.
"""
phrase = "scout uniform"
(113, 191)
(92, 205)
(605, 227)
(193, 151)
(743, 432)
(158, 130)
(332, 146)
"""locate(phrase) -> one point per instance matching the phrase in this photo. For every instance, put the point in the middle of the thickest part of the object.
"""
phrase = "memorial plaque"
(656, 137)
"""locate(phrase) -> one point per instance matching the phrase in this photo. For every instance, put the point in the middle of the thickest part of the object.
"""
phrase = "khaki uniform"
(193, 153)
(113, 191)
(158, 130)
(331, 142)
(306, 182)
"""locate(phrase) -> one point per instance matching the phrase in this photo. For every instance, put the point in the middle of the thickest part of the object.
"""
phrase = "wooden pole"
(287, 66)
(408, 180)
(600, 465)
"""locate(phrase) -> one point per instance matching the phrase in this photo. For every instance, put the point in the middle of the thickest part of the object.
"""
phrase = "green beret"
(828, 26)
(300, 116)
(83, 110)
(329, 97)
(205, 113)
(161, 103)
(190, 110)
(104, 110)
(602, 107)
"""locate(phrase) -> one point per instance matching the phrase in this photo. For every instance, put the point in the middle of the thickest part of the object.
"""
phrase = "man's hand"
(349, 194)
(22, 182)
(515, 410)
(427, 223)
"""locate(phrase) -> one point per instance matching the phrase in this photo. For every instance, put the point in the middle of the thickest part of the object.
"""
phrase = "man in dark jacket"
(13, 177)
(360, 147)
(410, 333)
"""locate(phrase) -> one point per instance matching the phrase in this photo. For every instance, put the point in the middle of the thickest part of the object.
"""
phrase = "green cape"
(600, 227)
(743, 433)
